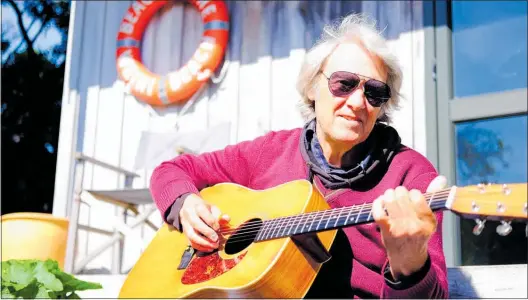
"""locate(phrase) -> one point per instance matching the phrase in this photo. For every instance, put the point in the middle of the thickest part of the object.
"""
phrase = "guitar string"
(251, 233)
(252, 237)
(245, 231)
(280, 225)
(354, 208)
(367, 207)
(351, 209)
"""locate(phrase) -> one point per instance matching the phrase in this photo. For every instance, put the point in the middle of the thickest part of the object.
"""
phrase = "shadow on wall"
(460, 286)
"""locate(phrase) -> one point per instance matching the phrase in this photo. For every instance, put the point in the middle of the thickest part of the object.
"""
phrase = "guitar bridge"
(186, 257)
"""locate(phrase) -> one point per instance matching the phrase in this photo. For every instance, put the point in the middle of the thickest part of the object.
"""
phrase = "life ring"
(175, 87)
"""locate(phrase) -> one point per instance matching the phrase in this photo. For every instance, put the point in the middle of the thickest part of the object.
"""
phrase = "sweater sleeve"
(433, 284)
(189, 173)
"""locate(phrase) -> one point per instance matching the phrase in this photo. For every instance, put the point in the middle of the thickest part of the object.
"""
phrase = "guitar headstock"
(498, 202)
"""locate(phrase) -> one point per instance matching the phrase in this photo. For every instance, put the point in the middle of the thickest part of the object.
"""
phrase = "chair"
(153, 149)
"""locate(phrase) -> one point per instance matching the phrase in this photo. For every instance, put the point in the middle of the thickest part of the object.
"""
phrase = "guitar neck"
(334, 218)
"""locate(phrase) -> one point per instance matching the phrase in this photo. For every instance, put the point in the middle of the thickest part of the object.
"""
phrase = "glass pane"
(492, 151)
(489, 46)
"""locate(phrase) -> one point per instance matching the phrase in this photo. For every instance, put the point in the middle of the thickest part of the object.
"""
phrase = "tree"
(480, 152)
(481, 156)
(32, 83)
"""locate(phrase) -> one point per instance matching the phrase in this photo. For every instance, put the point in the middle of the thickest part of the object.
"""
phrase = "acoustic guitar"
(258, 256)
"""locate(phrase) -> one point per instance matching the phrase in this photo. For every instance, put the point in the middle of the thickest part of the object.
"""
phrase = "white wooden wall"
(267, 45)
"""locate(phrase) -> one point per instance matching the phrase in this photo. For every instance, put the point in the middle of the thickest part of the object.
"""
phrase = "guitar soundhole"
(243, 236)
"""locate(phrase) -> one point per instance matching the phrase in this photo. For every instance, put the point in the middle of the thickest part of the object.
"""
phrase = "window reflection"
(489, 46)
(494, 151)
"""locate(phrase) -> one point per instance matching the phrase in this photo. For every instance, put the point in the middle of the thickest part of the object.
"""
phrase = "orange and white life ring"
(175, 87)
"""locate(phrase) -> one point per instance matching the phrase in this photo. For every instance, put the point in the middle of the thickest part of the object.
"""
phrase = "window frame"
(451, 110)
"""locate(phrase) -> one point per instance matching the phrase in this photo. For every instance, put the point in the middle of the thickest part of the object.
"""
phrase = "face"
(346, 121)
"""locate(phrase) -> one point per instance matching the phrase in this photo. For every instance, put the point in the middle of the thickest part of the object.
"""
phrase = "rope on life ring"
(178, 86)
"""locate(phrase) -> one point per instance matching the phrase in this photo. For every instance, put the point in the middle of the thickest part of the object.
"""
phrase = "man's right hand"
(200, 222)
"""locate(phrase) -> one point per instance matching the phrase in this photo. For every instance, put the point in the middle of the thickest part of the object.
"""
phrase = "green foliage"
(481, 152)
(30, 279)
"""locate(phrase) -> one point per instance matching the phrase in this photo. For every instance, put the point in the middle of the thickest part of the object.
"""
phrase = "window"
(489, 46)
(489, 151)
(481, 88)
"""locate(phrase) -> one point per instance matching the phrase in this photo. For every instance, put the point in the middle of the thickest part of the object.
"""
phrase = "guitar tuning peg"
(477, 230)
(504, 228)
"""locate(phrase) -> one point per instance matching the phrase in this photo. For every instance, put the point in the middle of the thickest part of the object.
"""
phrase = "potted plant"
(32, 278)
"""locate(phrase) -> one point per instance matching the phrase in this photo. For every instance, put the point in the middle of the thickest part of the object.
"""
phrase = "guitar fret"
(264, 228)
(278, 228)
(261, 230)
(337, 219)
(329, 217)
(268, 229)
(293, 219)
(348, 216)
(307, 222)
(313, 221)
(269, 234)
(359, 214)
(314, 216)
(431, 199)
(298, 223)
(306, 227)
(286, 225)
(321, 219)
(299, 227)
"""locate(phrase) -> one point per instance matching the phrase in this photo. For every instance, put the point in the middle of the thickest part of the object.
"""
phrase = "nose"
(357, 99)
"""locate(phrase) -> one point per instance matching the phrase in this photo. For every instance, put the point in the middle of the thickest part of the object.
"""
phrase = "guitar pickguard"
(203, 268)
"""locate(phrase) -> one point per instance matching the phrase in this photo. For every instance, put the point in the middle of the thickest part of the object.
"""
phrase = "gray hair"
(356, 26)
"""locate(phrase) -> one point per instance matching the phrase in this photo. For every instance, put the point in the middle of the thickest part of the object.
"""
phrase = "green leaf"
(19, 272)
(6, 293)
(43, 293)
(44, 276)
(73, 296)
(29, 292)
(71, 283)
(57, 295)
(15, 286)
(31, 279)
(52, 266)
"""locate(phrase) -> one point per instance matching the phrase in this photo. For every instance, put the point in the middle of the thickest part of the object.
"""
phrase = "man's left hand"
(406, 222)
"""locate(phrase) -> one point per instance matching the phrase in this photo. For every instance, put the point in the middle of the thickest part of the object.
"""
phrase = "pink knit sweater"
(276, 158)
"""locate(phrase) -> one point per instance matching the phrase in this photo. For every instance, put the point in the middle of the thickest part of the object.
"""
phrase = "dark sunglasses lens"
(341, 84)
(377, 92)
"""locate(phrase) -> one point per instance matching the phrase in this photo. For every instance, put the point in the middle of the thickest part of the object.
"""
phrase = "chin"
(347, 136)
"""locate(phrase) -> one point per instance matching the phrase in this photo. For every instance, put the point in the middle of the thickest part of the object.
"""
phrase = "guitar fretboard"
(331, 219)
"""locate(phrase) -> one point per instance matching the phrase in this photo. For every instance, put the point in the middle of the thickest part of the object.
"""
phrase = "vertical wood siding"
(268, 41)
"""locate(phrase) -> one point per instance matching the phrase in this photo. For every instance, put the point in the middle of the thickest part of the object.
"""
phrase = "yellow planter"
(34, 236)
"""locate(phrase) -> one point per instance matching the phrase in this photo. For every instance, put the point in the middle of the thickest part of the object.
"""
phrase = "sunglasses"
(342, 84)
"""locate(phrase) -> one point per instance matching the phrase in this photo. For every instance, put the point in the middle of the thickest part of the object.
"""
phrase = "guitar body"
(241, 268)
